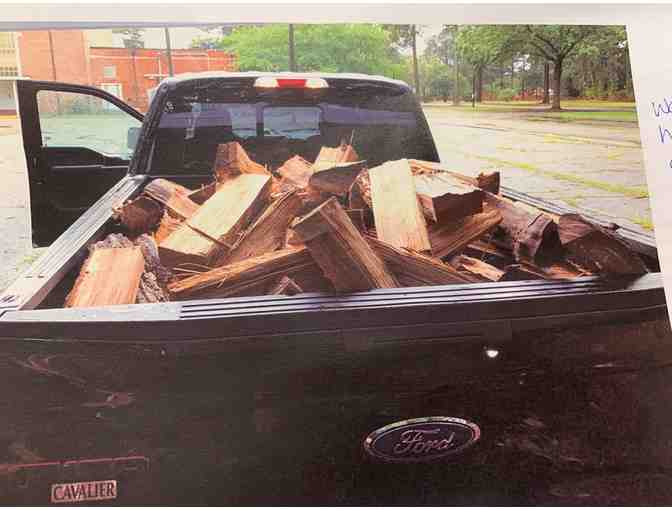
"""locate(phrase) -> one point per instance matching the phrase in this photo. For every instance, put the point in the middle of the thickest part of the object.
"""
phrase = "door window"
(70, 119)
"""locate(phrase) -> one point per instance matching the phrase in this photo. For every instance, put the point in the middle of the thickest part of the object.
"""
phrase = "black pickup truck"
(533, 392)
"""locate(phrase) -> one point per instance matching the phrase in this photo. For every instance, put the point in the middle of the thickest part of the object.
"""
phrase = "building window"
(9, 71)
(110, 71)
(6, 40)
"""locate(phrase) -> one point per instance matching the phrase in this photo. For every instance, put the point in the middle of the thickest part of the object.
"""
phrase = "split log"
(488, 182)
(340, 250)
(200, 195)
(110, 276)
(330, 157)
(139, 215)
(268, 232)
(335, 169)
(529, 235)
(246, 278)
(563, 270)
(359, 196)
(477, 268)
(214, 229)
(286, 286)
(155, 278)
(444, 198)
(412, 269)
(521, 272)
(396, 211)
(357, 218)
(167, 226)
(488, 252)
(296, 171)
(232, 160)
(450, 238)
(596, 248)
(173, 196)
(336, 179)
(485, 181)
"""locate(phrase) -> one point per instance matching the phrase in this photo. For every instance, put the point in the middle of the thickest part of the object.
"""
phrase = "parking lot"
(593, 164)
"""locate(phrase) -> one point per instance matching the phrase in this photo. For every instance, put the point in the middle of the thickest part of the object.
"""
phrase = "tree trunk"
(416, 73)
(456, 64)
(479, 85)
(557, 82)
(292, 56)
(513, 69)
(547, 83)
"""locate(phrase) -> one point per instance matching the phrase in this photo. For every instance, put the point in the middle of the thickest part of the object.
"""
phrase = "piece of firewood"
(329, 157)
(486, 251)
(215, 228)
(522, 272)
(295, 171)
(357, 218)
(485, 181)
(245, 278)
(139, 215)
(335, 169)
(110, 276)
(444, 198)
(268, 232)
(396, 210)
(200, 195)
(173, 196)
(337, 179)
(285, 286)
(597, 249)
(340, 250)
(413, 269)
(529, 235)
(488, 182)
(482, 270)
(232, 160)
(167, 226)
(451, 237)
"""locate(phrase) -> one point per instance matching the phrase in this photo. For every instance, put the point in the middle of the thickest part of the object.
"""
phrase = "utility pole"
(51, 53)
(416, 72)
(456, 65)
(292, 56)
(169, 53)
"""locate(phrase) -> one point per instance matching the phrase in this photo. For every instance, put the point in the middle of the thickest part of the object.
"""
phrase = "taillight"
(270, 82)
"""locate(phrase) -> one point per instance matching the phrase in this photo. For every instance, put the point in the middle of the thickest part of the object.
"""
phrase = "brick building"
(88, 57)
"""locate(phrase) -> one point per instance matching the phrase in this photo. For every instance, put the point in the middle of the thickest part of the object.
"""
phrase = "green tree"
(363, 48)
(556, 44)
(481, 46)
(405, 37)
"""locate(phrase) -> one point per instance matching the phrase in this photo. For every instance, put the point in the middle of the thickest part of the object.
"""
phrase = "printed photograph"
(328, 264)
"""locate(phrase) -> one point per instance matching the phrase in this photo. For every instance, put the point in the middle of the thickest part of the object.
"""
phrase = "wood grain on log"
(232, 160)
(268, 232)
(173, 196)
(530, 235)
(396, 210)
(339, 249)
(444, 198)
(246, 278)
(596, 248)
(216, 226)
(450, 238)
(110, 276)
(482, 270)
(413, 269)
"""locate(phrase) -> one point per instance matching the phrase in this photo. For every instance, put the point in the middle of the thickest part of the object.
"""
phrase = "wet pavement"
(597, 166)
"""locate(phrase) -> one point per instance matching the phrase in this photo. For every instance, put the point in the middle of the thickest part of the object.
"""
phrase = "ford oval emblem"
(421, 439)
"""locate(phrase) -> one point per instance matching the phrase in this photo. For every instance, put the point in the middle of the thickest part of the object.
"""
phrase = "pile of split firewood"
(334, 226)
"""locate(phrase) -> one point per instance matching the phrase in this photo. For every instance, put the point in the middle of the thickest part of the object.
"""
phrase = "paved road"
(594, 166)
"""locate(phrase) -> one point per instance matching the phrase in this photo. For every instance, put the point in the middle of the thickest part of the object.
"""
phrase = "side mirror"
(132, 137)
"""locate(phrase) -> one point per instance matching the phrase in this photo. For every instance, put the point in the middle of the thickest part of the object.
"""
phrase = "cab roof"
(185, 77)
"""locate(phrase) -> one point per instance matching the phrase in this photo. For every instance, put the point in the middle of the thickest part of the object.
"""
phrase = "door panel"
(75, 139)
